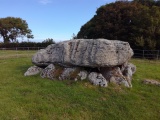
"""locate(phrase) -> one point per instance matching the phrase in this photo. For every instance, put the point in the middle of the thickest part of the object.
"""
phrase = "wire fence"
(23, 48)
(147, 54)
(142, 54)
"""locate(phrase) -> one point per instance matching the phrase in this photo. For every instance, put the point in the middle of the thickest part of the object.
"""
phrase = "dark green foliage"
(25, 44)
(49, 41)
(12, 28)
(74, 36)
(137, 22)
(146, 2)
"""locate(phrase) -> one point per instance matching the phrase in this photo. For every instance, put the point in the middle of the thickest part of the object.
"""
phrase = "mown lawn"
(4, 54)
(34, 98)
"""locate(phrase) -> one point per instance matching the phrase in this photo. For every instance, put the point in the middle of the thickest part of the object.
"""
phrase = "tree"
(12, 28)
(136, 22)
(49, 41)
(149, 3)
(74, 36)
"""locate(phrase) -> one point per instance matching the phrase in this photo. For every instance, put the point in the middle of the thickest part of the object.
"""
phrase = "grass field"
(4, 54)
(34, 98)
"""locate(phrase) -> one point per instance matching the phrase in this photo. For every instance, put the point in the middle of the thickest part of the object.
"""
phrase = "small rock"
(152, 82)
(33, 70)
(75, 79)
(115, 75)
(120, 81)
(83, 75)
(66, 74)
(129, 70)
(48, 72)
(97, 79)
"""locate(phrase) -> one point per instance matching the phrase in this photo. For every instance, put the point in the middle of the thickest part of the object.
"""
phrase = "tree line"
(137, 22)
(44, 44)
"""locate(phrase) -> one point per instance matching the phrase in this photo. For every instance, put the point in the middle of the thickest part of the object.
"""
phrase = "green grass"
(4, 54)
(34, 98)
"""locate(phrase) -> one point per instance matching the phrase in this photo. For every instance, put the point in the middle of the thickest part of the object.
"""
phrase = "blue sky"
(57, 19)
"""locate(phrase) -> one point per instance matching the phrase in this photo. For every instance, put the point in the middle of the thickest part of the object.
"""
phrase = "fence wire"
(147, 54)
(23, 48)
(142, 54)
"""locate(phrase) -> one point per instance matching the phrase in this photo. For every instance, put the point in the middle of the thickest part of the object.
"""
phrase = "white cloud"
(45, 2)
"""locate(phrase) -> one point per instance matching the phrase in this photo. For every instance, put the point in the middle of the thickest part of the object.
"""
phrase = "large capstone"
(93, 53)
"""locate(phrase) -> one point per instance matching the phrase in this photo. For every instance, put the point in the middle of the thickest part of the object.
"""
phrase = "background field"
(34, 98)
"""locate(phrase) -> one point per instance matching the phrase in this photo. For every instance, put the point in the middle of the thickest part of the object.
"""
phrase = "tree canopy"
(49, 41)
(137, 22)
(12, 28)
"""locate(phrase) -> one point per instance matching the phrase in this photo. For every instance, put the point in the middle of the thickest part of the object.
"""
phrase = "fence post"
(16, 52)
(143, 54)
(157, 54)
